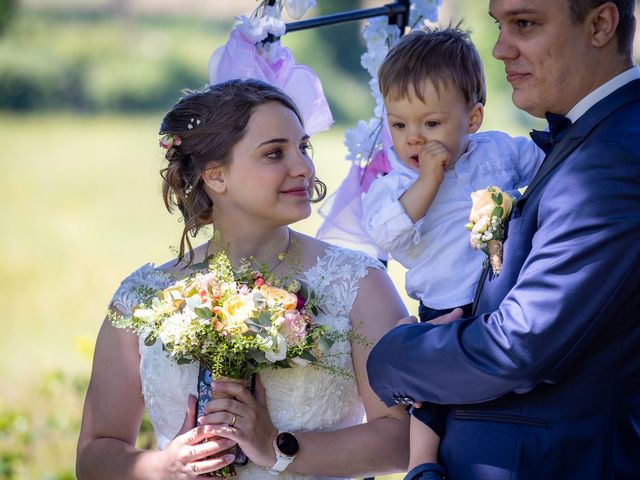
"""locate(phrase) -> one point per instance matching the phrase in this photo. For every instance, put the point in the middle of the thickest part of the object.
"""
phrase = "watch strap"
(281, 463)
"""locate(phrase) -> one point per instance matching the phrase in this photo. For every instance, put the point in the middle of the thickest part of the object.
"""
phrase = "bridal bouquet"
(234, 322)
(491, 208)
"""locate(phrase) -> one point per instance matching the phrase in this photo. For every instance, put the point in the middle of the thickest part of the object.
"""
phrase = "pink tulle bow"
(342, 211)
(239, 58)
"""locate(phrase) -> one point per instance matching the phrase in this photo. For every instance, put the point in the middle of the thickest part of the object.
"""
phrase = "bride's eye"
(307, 149)
(274, 154)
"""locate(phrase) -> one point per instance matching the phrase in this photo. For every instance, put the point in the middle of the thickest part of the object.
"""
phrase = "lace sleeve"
(127, 295)
(336, 277)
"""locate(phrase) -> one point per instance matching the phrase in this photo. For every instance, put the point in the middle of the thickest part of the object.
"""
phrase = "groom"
(544, 381)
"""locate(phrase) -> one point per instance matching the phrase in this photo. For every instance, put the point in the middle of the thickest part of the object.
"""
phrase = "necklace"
(281, 257)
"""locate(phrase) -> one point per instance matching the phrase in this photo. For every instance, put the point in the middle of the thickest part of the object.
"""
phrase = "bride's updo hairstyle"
(199, 133)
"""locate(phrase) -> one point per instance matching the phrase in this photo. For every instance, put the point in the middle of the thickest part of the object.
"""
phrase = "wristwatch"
(286, 446)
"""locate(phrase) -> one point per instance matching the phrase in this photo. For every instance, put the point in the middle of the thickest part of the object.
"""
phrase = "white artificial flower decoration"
(252, 28)
(362, 141)
(297, 8)
(423, 10)
(273, 22)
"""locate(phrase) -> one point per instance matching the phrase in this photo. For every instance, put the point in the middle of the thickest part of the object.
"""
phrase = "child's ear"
(475, 118)
(214, 178)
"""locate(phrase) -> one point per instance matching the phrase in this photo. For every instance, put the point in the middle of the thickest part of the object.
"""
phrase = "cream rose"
(483, 204)
(235, 311)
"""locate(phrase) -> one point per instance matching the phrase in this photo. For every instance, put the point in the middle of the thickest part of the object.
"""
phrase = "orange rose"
(273, 294)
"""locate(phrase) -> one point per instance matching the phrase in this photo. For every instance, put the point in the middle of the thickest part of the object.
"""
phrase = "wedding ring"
(233, 421)
(194, 469)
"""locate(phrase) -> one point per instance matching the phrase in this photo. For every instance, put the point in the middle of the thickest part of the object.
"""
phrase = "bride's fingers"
(200, 451)
(227, 418)
(196, 435)
(235, 390)
(211, 464)
(230, 405)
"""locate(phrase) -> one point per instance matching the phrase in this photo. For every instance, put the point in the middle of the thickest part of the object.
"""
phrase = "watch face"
(287, 444)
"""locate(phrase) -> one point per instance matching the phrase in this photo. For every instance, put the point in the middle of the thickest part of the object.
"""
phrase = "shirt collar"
(603, 91)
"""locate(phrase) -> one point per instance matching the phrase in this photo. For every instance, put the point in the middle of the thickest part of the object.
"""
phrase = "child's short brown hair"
(444, 56)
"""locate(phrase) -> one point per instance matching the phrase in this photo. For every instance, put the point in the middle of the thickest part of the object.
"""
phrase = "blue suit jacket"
(544, 384)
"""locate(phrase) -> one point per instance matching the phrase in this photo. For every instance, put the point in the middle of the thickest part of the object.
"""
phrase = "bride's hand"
(187, 457)
(245, 419)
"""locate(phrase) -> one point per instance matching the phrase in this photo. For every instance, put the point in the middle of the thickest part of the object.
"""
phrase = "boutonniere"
(489, 213)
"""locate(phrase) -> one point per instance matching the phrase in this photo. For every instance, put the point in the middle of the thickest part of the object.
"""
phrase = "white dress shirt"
(443, 269)
(603, 91)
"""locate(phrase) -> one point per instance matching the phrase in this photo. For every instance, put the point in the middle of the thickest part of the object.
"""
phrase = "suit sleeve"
(569, 288)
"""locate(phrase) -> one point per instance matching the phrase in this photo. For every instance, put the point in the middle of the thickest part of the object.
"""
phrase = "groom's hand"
(407, 321)
(447, 318)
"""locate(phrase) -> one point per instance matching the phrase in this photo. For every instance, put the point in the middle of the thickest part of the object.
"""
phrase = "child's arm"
(433, 160)
(383, 216)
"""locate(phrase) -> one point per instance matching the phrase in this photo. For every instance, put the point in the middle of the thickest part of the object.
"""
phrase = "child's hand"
(433, 160)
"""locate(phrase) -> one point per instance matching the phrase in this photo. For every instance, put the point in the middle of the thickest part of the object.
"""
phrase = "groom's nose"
(504, 48)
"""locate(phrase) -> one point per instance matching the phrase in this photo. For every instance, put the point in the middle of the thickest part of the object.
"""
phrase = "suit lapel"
(581, 129)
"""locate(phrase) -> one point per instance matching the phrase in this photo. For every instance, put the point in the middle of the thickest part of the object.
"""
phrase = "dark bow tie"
(558, 127)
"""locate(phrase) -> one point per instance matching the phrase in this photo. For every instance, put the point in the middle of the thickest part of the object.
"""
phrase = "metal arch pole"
(398, 10)
(398, 13)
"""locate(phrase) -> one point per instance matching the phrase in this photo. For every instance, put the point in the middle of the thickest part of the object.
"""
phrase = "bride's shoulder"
(326, 256)
(129, 292)
(149, 277)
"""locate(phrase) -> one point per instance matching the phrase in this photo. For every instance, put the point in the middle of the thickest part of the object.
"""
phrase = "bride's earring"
(319, 190)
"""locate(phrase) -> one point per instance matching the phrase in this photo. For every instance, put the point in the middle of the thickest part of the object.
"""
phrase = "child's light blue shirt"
(443, 269)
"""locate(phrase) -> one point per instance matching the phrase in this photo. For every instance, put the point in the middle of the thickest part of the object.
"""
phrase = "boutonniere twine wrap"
(489, 213)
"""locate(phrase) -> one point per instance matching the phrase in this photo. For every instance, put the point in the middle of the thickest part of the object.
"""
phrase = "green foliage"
(35, 435)
(335, 37)
(38, 438)
(7, 11)
(94, 63)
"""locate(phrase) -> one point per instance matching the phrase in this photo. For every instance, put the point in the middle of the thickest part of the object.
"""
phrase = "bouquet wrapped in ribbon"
(489, 213)
(234, 322)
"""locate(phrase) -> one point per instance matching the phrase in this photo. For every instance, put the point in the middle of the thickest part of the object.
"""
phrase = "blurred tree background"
(83, 84)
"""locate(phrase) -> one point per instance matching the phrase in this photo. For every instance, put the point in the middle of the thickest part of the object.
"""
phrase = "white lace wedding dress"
(299, 399)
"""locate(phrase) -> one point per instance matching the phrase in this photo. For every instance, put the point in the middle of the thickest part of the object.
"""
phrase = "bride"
(239, 159)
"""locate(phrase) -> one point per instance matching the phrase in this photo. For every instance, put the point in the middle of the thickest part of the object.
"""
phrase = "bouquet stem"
(205, 394)
(495, 256)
